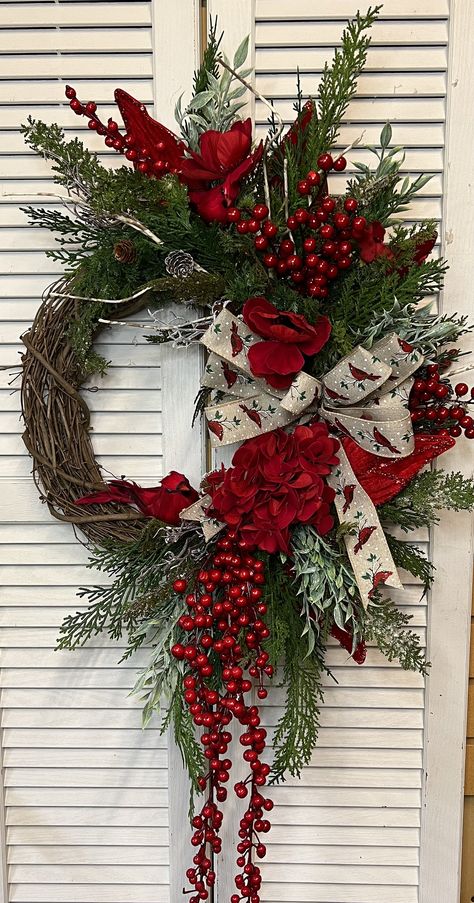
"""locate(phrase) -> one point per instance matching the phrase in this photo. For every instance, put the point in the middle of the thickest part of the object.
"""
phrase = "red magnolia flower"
(213, 176)
(289, 336)
(277, 481)
(165, 502)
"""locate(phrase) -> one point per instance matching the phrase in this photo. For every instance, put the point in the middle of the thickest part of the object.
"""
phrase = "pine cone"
(125, 251)
(179, 263)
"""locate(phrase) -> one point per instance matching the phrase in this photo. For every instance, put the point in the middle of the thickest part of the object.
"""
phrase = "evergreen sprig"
(387, 626)
(297, 730)
(338, 84)
(409, 557)
(429, 492)
(137, 568)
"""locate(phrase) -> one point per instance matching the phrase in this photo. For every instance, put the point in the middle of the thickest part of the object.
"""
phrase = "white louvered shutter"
(350, 830)
(86, 800)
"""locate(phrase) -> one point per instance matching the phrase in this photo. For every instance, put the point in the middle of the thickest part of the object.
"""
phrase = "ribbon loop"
(365, 396)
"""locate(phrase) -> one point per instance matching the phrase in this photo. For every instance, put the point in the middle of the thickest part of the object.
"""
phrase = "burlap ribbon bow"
(365, 396)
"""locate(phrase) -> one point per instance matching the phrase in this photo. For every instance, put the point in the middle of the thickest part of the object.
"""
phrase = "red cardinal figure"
(253, 415)
(165, 502)
(335, 395)
(230, 375)
(151, 147)
(384, 478)
(215, 427)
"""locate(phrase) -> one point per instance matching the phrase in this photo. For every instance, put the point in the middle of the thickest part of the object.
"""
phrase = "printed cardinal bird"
(378, 578)
(253, 415)
(335, 395)
(215, 427)
(348, 493)
(363, 537)
(384, 442)
(341, 427)
(361, 375)
(229, 374)
(235, 340)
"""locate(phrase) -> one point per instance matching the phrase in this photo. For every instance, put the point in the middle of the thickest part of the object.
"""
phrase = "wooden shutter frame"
(452, 540)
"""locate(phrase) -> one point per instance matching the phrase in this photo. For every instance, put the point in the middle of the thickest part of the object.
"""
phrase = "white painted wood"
(88, 815)
(449, 622)
(177, 25)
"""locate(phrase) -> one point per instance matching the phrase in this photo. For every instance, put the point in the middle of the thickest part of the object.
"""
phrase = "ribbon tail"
(367, 546)
(197, 512)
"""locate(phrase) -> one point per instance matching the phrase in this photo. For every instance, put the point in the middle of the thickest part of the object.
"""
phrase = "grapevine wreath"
(325, 365)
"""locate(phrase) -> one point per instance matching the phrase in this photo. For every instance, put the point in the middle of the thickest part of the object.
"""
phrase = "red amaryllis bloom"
(165, 502)
(276, 481)
(213, 176)
(290, 337)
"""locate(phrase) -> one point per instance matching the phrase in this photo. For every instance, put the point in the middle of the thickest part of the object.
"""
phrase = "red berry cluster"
(227, 603)
(321, 242)
(124, 144)
(436, 407)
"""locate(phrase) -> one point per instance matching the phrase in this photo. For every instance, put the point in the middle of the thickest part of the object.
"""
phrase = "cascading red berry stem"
(227, 604)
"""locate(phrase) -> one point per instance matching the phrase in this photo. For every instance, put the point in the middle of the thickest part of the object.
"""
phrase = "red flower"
(165, 502)
(225, 158)
(277, 481)
(371, 244)
(289, 336)
(424, 248)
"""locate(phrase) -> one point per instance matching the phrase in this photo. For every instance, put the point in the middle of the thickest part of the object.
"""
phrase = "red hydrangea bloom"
(277, 481)
(213, 176)
(165, 502)
(289, 337)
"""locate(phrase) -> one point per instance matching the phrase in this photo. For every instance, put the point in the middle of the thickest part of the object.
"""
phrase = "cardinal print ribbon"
(365, 396)
(366, 543)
